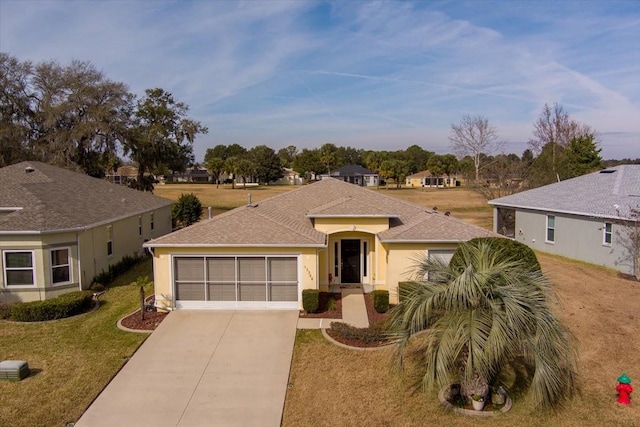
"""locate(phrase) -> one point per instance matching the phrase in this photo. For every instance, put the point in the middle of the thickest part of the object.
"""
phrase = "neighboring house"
(123, 175)
(354, 174)
(319, 236)
(59, 229)
(427, 179)
(290, 177)
(581, 218)
(189, 175)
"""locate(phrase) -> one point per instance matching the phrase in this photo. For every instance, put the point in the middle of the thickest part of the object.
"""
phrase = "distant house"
(321, 236)
(123, 175)
(583, 218)
(59, 229)
(189, 175)
(426, 178)
(354, 174)
(290, 177)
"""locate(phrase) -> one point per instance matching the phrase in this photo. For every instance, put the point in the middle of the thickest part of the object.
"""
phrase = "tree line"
(74, 116)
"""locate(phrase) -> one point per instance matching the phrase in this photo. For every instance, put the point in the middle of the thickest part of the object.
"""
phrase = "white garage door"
(236, 282)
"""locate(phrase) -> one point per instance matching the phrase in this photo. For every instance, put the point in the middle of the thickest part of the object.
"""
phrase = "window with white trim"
(140, 226)
(18, 268)
(151, 223)
(607, 233)
(109, 240)
(551, 228)
(60, 266)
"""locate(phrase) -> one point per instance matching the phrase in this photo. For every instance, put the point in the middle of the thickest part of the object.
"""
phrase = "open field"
(72, 359)
(463, 203)
(333, 386)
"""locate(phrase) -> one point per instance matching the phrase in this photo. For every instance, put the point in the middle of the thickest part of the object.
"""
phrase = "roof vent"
(29, 169)
(608, 171)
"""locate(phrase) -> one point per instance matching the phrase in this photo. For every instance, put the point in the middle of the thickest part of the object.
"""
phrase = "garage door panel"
(283, 292)
(283, 269)
(252, 292)
(222, 291)
(189, 269)
(190, 291)
(221, 269)
(251, 269)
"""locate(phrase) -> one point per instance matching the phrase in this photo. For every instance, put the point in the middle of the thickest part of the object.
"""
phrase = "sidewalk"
(354, 312)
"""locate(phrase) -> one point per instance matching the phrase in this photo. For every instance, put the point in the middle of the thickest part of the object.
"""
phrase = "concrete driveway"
(203, 368)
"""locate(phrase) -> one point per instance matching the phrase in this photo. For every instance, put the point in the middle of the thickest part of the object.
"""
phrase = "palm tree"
(479, 318)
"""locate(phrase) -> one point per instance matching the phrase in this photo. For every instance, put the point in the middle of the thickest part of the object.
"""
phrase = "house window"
(551, 228)
(60, 266)
(607, 233)
(109, 240)
(151, 225)
(336, 271)
(140, 226)
(18, 268)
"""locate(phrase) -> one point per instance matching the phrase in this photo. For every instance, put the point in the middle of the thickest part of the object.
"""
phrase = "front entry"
(350, 261)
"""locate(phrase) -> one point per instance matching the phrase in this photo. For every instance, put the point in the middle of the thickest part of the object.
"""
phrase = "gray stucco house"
(585, 218)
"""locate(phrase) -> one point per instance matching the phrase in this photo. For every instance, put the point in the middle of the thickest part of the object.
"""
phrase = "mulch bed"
(374, 318)
(323, 307)
(152, 318)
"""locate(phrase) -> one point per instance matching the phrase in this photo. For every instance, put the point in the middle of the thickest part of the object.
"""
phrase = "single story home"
(354, 174)
(426, 178)
(586, 218)
(320, 236)
(59, 229)
(290, 177)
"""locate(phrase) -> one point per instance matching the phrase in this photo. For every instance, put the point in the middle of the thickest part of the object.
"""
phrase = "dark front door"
(350, 261)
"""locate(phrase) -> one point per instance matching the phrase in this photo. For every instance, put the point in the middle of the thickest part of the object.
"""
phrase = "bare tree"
(555, 127)
(474, 136)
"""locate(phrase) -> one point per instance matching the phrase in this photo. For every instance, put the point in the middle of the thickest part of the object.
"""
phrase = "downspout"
(79, 266)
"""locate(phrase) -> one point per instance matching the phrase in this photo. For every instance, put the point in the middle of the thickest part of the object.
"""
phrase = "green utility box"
(14, 370)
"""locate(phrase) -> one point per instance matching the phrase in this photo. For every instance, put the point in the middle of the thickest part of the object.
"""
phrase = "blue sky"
(373, 75)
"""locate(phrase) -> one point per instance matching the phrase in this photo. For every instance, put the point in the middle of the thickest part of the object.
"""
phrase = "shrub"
(56, 308)
(5, 310)
(504, 249)
(380, 300)
(373, 334)
(97, 287)
(310, 300)
(187, 210)
(106, 277)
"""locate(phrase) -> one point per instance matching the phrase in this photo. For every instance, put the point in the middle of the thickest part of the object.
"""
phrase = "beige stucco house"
(59, 229)
(426, 178)
(320, 236)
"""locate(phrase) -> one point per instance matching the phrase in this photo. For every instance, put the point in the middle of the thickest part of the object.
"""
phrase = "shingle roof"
(350, 170)
(424, 174)
(49, 199)
(287, 219)
(609, 193)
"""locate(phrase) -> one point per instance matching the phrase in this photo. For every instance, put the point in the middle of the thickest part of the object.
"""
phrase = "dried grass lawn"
(332, 386)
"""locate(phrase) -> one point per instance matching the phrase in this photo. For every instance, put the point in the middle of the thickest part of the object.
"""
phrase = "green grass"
(72, 359)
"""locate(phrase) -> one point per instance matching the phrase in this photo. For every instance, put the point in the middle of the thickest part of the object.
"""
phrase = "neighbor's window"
(607, 230)
(60, 266)
(18, 268)
(151, 223)
(140, 226)
(551, 228)
(109, 240)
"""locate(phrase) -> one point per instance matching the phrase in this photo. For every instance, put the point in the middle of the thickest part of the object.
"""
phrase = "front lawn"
(71, 360)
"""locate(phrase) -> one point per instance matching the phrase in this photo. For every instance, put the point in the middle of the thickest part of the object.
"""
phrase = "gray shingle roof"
(287, 219)
(610, 193)
(55, 199)
(350, 170)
